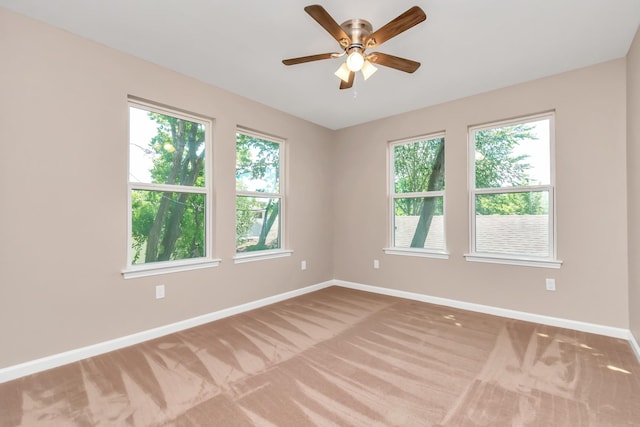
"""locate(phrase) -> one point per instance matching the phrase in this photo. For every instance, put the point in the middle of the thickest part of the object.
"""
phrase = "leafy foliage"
(496, 166)
(246, 215)
(520, 203)
(414, 164)
(258, 161)
(257, 171)
(170, 225)
(419, 168)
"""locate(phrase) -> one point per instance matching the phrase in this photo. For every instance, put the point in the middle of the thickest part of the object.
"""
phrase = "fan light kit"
(355, 37)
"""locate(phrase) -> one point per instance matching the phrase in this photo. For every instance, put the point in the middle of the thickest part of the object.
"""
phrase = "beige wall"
(633, 162)
(591, 201)
(63, 172)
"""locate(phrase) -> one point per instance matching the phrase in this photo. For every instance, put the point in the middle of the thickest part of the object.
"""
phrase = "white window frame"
(163, 267)
(550, 261)
(244, 257)
(392, 196)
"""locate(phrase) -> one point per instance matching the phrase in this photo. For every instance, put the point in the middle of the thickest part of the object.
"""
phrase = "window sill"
(522, 261)
(423, 253)
(156, 268)
(260, 255)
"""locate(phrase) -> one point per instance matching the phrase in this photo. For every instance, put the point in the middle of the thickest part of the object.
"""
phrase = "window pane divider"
(168, 187)
(418, 195)
(259, 194)
(522, 189)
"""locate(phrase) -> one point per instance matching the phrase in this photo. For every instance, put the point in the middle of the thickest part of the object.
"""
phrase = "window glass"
(417, 193)
(155, 240)
(259, 195)
(418, 231)
(513, 156)
(419, 166)
(520, 224)
(512, 191)
(257, 223)
(167, 186)
(257, 164)
(165, 149)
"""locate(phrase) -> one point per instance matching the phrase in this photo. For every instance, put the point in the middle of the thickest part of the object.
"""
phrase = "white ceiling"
(465, 46)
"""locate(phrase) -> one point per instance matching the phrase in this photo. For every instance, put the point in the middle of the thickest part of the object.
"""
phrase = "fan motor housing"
(357, 29)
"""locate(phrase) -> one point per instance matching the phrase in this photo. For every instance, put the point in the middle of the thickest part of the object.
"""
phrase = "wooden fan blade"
(402, 23)
(303, 59)
(347, 85)
(402, 64)
(323, 18)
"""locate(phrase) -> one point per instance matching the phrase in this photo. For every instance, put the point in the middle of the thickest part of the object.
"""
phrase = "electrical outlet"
(551, 284)
(376, 264)
(303, 265)
(159, 291)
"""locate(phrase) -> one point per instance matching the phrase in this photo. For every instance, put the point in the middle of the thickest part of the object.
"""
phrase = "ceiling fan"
(355, 36)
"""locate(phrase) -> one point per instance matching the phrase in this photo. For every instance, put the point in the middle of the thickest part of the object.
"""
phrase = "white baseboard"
(49, 362)
(634, 345)
(55, 360)
(496, 311)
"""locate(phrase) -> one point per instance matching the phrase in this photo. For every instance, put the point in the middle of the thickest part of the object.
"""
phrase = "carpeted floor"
(340, 357)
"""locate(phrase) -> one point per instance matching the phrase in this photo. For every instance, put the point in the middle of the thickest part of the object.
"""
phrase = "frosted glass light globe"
(355, 61)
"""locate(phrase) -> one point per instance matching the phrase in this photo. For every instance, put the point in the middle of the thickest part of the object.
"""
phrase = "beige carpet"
(339, 357)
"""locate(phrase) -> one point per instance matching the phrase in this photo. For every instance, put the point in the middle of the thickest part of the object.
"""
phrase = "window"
(512, 192)
(169, 191)
(259, 197)
(417, 197)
